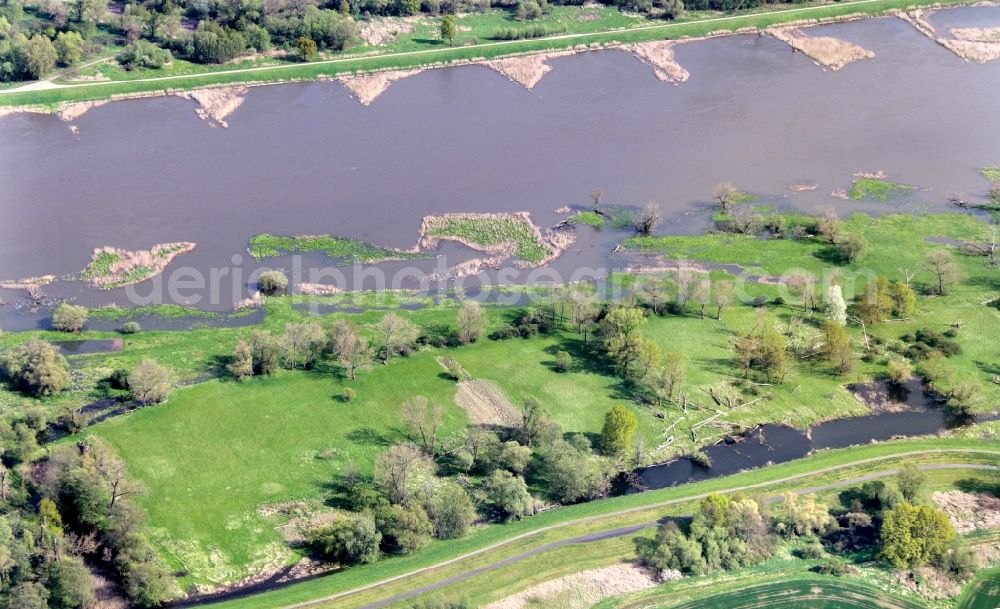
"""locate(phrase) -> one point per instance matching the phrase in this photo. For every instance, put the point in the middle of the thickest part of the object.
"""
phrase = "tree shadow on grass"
(370, 436)
(978, 485)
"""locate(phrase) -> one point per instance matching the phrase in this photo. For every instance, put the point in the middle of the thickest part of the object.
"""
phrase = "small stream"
(915, 412)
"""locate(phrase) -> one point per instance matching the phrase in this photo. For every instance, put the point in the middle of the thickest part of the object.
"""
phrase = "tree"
(910, 481)
(803, 285)
(471, 321)
(36, 366)
(330, 29)
(596, 197)
(828, 225)
(303, 342)
(618, 433)
(726, 194)
(574, 474)
(508, 494)
(913, 536)
(404, 529)
(702, 294)
(802, 515)
(241, 365)
(672, 550)
(422, 420)
(350, 346)
(352, 539)
(876, 302)
(69, 318)
(836, 308)
(621, 336)
(29, 595)
(71, 585)
(395, 468)
(837, 346)
(667, 379)
(904, 299)
(946, 271)
(69, 48)
(448, 29)
(724, 291)
(646, 220)
(272, 282)
(852, 248)
(451, 511)
(563, 361)
(37, 57)
(150, 383)
(307, 48)
(536, 426)
(396, 333)
(266, 352)
(900, 371)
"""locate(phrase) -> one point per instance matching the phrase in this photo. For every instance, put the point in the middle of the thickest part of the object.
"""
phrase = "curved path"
(628, 530)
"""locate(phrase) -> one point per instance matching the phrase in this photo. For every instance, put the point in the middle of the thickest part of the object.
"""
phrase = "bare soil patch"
(367, 87)
(582, 589)
(318, 289)
(526, 70)
(216, 104)
(660, 55)
(384, 29)
(827, 51)
(71, 112)
(969, 511)
(486, 404)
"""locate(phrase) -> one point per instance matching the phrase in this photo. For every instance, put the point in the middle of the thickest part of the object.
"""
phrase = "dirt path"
(491, 45)
(629, 530)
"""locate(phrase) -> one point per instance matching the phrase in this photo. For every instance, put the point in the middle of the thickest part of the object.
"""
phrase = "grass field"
(877, 189)
(983, 592)
(265, 245)
(595, 32)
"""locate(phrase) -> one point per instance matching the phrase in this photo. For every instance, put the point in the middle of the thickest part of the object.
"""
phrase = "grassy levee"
(983, 592)
(50, 98)
(358, 585)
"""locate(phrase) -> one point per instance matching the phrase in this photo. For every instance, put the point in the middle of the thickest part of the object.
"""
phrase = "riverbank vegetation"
(112, 267)
(418, 45)
(506, 234)
(369, 414)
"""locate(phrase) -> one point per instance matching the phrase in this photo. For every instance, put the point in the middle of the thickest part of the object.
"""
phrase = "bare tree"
(150, 383)
(302, 339)
(655, 289)
(828, 224)
(471, 321)
(685, 284)
(114, 471)
(725, 194)
(702, 294)
(941, 263)
(422, 420)
(395, 468)
(596, 197)
(803, 284)
(584, 305)
(396, 333)
(723, 295)
(645, 221)
(351, 347)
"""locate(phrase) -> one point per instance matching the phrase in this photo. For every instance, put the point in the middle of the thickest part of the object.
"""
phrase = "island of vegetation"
(265, 246)
(112, 267)
(507, 235)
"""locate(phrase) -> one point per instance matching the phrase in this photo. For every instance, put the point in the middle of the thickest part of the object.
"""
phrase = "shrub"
(131, 327)
(348, 541)
(119, 379)
(349, 394)
(143, 54)
(69, 318)
(852, 248)
(272, 282)
(812, 551)
(834, 567)
(563, 361)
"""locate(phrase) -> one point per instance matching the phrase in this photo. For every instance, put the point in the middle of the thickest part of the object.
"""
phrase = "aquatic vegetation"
(512, 234)
(990, 173)
(878, 189)
(590, 218)
(266, 246)
(112, 267)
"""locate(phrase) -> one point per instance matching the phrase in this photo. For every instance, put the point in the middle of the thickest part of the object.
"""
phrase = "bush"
(69, 318)
(272, 282)
(36, 366)
(213, 43)
(833, 567)
(349, 394)
(119, 379)
(351, 540)
(143, 54)
(563, 361)
(812, 551)
(131, 327)
(852, 248)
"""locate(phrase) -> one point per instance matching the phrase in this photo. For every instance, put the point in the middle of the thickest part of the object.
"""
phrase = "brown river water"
(307, 158)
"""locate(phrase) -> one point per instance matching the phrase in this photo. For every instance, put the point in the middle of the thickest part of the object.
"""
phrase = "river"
(307, 158)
